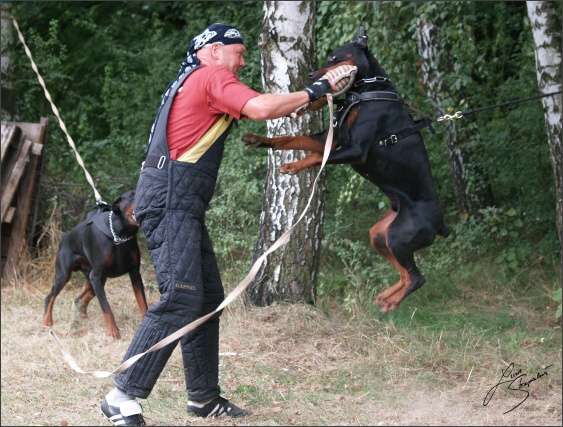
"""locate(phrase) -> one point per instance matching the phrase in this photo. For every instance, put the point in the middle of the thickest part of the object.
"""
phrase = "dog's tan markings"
(140, 301)
(81, 302)
(297, 143)
(48, 318)
(352, 116)
(390, 298)
(112, 329)
(310, 161)
(129, 215)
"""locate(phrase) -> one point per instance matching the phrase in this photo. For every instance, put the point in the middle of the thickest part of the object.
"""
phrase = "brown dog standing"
(104, 245)
(375, 134)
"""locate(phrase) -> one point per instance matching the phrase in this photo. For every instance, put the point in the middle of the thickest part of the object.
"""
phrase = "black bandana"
(215, 33)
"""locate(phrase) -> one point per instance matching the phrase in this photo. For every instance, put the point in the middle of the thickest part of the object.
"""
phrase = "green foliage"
(491, 57)
(557, 297)
(106, 65)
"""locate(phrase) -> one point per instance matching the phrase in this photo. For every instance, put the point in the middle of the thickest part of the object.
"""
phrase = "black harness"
(353, 98)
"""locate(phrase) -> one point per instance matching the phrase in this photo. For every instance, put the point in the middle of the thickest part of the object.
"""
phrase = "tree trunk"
(546, 28)
(8, 95)
(288, 55)
(471, 185)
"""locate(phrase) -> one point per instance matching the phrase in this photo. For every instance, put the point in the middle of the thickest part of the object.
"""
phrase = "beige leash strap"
(230, 298)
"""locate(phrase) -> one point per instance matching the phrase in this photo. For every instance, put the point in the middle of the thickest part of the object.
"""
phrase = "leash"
(425, 121)
(460, 114)
(230, 298)
(56, 112)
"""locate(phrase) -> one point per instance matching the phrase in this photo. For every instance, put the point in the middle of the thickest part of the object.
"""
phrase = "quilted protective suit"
(170, 203)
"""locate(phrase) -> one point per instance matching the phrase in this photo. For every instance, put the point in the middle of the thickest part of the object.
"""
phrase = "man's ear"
(216, 50)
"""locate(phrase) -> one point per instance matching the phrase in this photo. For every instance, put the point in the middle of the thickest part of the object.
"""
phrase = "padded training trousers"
(170, 206)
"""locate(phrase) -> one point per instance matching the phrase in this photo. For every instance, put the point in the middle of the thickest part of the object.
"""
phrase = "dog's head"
(123, 207)
(355, 54)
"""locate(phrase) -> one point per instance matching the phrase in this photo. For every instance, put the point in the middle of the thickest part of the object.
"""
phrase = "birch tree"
(546, 29)
(288, 55)
(471, 184)
(6, 67)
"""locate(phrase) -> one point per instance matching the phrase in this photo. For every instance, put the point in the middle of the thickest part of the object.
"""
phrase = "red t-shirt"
(207, 95)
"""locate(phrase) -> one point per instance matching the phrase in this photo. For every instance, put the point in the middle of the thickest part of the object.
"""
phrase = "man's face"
(231, 57)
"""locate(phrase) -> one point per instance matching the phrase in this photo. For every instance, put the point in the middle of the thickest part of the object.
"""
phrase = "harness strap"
(393, 139)
(353, 98)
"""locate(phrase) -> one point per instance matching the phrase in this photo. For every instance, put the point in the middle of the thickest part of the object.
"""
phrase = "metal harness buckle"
(161, 162)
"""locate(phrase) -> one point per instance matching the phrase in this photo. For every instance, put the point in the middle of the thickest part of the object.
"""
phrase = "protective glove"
(318, 89)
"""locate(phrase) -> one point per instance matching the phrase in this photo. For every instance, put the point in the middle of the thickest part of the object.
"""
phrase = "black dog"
(104, 245)
(377, 136)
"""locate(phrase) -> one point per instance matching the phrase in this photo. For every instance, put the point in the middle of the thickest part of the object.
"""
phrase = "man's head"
(219, 44)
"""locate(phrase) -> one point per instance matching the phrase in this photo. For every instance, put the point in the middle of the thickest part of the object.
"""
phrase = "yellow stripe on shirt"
(206, 141)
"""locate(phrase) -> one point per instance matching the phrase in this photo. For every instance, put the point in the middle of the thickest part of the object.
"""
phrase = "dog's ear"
(362, 38)
(116, 205)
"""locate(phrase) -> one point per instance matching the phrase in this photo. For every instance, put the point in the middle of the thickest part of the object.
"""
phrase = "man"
(176, 184)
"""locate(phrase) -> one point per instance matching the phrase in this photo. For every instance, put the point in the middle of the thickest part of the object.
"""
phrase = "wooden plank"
(15, 176)
(10, 214)
(36, 149)
(33, 131)
(23, 204)
(8, 134)
(12, 148)
(33, 214)
(23, 207)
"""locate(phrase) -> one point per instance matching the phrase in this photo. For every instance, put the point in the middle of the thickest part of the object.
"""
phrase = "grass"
(340, 362)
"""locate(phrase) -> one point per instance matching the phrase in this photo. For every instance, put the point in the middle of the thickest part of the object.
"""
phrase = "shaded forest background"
(106, 65)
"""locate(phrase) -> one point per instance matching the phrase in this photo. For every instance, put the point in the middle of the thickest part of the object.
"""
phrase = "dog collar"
(116, 239)
(372, 80)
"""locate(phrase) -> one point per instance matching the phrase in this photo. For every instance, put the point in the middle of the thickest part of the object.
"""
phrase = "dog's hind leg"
(410, 278)
(81, 302)
(139, 291)
(60, 282)
(63, 270)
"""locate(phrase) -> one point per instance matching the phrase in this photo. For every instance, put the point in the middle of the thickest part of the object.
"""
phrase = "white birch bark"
(469, 197)
(287, 48)
(546, 29)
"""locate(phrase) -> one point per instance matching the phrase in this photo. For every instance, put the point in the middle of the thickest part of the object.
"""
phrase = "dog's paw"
(288, 169)
(256, 141)
(114, 333)
(386, 304)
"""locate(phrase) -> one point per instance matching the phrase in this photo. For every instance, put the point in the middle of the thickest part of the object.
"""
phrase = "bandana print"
(203, 38)
(215, 33)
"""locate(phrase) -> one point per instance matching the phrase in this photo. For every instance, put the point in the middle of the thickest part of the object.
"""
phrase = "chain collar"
(116, 239)
(372, 80)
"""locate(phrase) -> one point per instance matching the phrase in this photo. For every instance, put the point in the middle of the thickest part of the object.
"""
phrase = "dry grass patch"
(291, 364)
